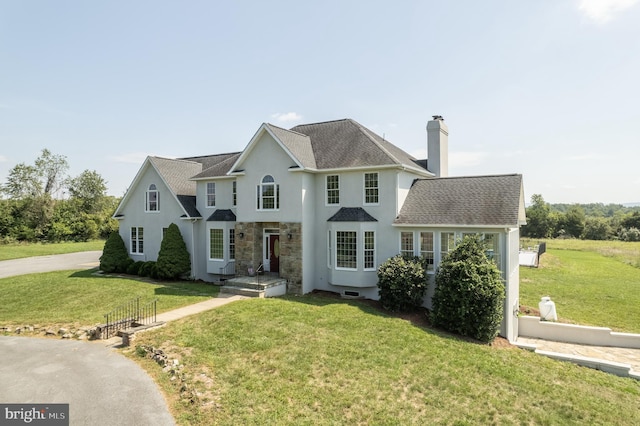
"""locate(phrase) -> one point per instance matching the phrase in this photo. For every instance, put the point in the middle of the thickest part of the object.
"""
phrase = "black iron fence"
(131, 314)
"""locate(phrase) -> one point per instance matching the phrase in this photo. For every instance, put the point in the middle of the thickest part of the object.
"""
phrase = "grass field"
(313, 360)
(76, 298)
(591, 283)
(17, 251)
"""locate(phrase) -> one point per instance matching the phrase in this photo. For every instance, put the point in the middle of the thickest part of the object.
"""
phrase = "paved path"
(56, 262)
(101, 386)
(627, 356)
(222, 299)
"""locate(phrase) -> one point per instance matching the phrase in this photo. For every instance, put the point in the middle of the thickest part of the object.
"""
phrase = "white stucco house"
(321, 206)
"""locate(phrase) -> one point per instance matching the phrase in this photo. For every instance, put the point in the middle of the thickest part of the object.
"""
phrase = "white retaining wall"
(529, 326)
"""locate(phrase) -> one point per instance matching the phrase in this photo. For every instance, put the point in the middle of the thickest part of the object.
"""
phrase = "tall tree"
(89, 188)
(52, 169)
(539, 223)
(573, 221)
(23, 182)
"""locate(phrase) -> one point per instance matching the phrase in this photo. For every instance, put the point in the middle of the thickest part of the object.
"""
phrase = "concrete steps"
(261, 286)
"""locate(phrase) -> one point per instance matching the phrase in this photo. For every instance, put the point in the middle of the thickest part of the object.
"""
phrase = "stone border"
(529, 326)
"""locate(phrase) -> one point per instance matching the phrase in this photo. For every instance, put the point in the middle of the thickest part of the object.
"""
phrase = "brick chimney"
(438, 147)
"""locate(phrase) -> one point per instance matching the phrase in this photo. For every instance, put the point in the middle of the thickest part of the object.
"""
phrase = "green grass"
(591, 283)
(312, 360)
(17, 251)
(81, 298)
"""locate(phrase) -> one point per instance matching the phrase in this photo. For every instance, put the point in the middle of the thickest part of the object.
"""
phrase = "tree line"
(41, 203)
(595, 221)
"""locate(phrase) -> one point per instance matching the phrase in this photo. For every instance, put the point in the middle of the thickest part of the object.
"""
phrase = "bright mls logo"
(35, 414)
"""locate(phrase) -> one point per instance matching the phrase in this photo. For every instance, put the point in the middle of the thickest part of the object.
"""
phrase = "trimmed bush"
(469, 293)
(402, 282)
(148, 269)
(134, 267)
(173, 258)
(114, 255)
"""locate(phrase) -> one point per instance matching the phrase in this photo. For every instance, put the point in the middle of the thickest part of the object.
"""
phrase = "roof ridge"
(369, 133)
(324, 122)
(472, 176)
(210, 155)
(287, 130)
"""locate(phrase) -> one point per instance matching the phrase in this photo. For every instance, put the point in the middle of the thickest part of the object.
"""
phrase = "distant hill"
(631, 204)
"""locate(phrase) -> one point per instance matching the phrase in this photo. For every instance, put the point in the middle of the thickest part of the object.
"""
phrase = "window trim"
(372, 250)
(406, 252)
(432, 268)
(261, 197)
(355, 250)
(234, 194)
(211, 195)
(210, 239)
(232, 244)
(147, 199)
(327, 190)
(139, 231)
(376, 188)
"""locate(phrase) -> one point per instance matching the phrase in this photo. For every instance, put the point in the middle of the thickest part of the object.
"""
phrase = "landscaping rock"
(50, 332)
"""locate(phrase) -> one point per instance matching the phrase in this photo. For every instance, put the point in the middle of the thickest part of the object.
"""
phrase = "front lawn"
(591, 283)
(314, 360)
(81, 298)
(17, 251)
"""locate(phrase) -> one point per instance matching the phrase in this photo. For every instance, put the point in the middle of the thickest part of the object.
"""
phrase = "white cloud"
(603, 11)
(3, 159)
(286, 117)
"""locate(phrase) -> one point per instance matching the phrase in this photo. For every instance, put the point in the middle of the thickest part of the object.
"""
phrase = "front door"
(274, 253)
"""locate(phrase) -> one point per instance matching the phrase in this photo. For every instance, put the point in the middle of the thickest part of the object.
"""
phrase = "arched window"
(153, 198)
(268, 194)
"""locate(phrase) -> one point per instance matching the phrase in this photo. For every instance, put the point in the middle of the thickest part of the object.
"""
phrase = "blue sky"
(546, 88)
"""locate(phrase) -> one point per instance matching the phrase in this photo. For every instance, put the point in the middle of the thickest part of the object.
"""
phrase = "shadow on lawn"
(165, 288)
(418, 318)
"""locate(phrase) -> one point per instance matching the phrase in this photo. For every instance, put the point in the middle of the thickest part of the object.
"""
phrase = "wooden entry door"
(274, 253)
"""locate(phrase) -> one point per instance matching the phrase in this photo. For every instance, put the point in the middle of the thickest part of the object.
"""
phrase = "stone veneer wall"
(291, 255)
(248, 247)
(249, 250)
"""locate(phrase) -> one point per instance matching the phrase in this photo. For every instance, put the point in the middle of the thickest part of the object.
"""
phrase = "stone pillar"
(291, 255)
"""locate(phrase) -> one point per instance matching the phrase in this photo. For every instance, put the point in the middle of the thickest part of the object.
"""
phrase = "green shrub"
(134, 268)
(114, 255)
(469, 293)
(402, 282)
(631, 234)
(148, 269)
(173, 258)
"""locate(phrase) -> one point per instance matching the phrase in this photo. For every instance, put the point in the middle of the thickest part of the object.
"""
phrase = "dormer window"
(268, 194)
(153, 198)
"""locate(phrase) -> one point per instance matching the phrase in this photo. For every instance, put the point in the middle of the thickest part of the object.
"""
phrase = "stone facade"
(291, 256)
(249, 250)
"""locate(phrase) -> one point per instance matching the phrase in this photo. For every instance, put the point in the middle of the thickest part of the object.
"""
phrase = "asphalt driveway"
(56, 262)
(101, 386)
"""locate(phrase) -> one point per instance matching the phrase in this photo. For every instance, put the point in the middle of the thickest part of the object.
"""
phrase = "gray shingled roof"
(352, 214)
(475, 200)
(222, 215)
(220, 168)
(211, 160)
(176, 174)
(298, 144)
(346, 143)
(189, 204)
